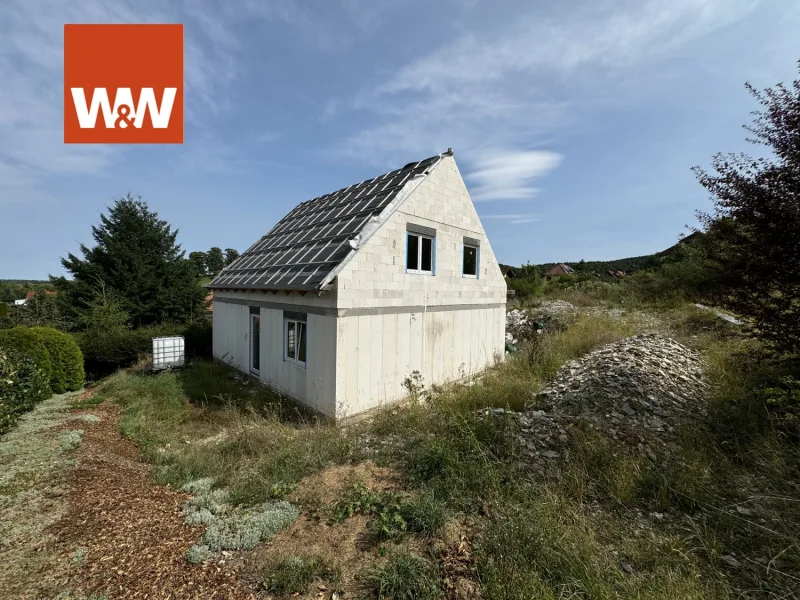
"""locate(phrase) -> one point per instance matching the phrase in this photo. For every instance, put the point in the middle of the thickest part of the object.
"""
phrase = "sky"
(575, 124)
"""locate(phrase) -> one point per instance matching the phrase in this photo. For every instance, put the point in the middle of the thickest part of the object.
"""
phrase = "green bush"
(107, 351)
(22, 340)
(65, 354)
(22, 385)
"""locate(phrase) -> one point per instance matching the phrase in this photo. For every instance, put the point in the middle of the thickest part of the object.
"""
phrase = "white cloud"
(529, 80)
(513, 219)
(507, 175)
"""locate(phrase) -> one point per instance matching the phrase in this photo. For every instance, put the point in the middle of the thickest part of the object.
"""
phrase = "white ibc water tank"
(168, 352)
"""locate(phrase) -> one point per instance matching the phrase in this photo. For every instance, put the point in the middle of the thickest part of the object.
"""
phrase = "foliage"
(43, 310)
(242, 530)
(405, 576)
(198, 260)
(231, 255)
(215, 261)
(70, 440)
(136, 255)
(121, 347)
(23, 340)
(66, 358)
(754, 229)
(22, 385)
(392, 514)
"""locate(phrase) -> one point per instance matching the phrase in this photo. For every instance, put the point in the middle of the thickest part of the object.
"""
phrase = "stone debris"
(519, 327)
(635, 391)
(725, 317)
(647, 379)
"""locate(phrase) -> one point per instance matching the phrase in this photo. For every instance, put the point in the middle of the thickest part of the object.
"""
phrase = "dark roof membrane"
(314, 238)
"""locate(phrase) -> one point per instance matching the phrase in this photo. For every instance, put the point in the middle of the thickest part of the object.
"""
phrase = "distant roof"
(561, 269)
(314, 238)
(507, 271)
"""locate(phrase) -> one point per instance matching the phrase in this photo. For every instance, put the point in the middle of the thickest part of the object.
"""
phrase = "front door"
(255, 339)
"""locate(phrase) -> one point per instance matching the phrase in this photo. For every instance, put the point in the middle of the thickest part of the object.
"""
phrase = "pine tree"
(136, 256)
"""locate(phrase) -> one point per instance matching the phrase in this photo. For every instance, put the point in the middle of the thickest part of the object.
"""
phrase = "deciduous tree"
(754, 227)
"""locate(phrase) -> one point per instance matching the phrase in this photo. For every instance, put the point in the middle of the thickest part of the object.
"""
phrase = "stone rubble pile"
(635, 390)
(647, 379)
(518, 327)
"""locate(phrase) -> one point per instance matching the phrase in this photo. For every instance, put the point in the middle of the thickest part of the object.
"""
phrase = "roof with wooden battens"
(304, 247)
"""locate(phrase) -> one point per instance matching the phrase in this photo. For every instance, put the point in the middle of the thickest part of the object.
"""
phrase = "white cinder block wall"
(379, 324)
(445, 326)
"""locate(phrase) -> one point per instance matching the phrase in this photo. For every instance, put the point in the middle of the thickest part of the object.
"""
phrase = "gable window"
(294, 338)
(471, 257)
(420, 249)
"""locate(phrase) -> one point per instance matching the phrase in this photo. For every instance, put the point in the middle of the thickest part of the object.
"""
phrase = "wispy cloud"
(507, 175)
(513, 219)
(528, 80)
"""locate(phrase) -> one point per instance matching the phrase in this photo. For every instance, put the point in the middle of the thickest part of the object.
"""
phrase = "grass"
(34, 462)
(295, 574)
(246, 438)
(718, 516)
(404, 576)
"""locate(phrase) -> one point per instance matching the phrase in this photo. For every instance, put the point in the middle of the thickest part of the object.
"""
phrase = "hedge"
(68, 374)
(20, 339)
(22, 385)
(111, 350)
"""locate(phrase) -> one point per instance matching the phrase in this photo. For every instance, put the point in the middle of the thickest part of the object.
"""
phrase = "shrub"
(22, 385)
(22, 340)
(122, 347)
(65, 355)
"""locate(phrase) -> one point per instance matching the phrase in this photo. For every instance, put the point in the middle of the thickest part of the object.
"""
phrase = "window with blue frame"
(471, 257)
(419, 253)
(470, 266)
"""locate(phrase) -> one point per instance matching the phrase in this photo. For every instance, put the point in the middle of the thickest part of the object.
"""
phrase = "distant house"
(616, 274)
(357, 292)
(29, 296)
(210, 303)
(508, 272)
(558, 271)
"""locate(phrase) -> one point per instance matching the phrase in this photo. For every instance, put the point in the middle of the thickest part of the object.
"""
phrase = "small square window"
(470, 264)
(294, 334)
(419, 254)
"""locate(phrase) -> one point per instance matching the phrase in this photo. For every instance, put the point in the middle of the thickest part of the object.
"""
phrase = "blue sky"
(574, 124)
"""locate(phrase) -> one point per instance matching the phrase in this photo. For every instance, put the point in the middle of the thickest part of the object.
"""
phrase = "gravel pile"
(635, 390)
(648, 380)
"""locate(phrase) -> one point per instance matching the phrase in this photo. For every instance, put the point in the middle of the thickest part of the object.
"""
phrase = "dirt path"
(124, 535)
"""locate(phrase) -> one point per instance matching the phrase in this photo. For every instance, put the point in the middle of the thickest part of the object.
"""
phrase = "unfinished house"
(352, 292)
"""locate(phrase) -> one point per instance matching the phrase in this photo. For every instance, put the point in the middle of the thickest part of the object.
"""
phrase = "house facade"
(356, 291)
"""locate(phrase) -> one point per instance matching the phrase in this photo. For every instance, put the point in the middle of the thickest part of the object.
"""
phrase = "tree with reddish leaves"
(754, 228)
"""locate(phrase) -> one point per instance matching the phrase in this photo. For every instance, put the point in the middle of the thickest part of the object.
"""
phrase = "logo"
(123, 84)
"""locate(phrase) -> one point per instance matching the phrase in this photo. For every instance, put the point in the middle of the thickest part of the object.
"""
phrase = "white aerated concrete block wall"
(445, 326)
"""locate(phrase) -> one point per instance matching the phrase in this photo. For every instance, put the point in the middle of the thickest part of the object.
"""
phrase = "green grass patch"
(295, 574)
(405, 576)
(238, 433)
